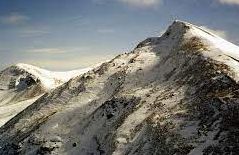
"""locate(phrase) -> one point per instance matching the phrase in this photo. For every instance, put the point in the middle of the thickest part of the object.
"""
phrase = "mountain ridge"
(175, 94)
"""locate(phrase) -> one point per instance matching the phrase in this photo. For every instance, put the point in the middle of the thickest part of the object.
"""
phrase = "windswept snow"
(217, 42)
(220, 49)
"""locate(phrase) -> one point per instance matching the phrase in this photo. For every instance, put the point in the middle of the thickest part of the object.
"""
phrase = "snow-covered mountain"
(23, 84)
(174, 94)
(49, 79)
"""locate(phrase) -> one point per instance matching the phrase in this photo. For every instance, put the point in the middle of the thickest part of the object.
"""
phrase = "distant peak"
(49, 79)
(24, 66)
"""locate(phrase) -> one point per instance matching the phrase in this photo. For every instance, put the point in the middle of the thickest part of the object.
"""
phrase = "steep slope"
(22, 84)
(174, 94)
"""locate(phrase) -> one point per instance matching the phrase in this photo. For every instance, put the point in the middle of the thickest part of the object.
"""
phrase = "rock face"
(174, 94)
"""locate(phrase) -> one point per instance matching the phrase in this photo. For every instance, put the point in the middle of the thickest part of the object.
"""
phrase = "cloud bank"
(14, 19)
(47, 51)
(230, 2)
(68, 63)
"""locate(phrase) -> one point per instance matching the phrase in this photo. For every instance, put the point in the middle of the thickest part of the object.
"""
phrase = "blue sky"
(70, 34)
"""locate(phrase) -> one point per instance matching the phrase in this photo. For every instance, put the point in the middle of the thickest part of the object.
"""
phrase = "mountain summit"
(174, 94)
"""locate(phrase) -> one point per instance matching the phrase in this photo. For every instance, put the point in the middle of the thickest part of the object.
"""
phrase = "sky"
(72, 34)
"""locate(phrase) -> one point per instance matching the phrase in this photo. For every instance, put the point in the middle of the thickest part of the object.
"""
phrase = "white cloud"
(141, 3)
(14, 19)
(220, 33)
(133, 3)
(60, 50)
(47, 51)
(33, 33)
(230, 2)
(105, 30)
(78, 21)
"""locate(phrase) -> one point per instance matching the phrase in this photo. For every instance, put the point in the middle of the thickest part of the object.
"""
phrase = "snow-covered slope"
(22, 84)
(174, 94)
